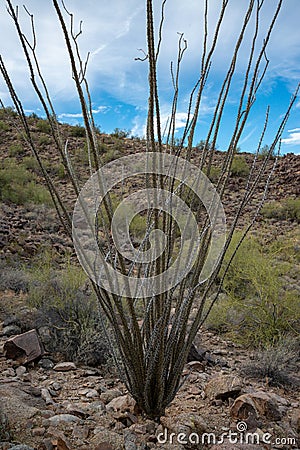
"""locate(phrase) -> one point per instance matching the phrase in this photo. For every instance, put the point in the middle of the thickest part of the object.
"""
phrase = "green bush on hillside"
(286, 209)
(43, 126)
(78, 131)
(18, 185)
(68, 309)
(239, 167)
(256, 307)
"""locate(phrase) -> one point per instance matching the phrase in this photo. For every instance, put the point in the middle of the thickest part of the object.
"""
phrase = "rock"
(19, 408)
(11, 330)
(109, 395)
(64, 367)
(129, 440)
(256, 405)
(107, 440)
(81, 432)
(39, 431)
(10, 320)
(45, 394)
(46, 363)
(92, 393)
(24, 347)
(10, 372)
(295, 421)
(20, 371)
(21, 447)
(122, 404)
(60, 444)
(185, 423)
(56, 386)
(103, 446)
(223, 387)
(31, 390)
(196, 366)
(60, 418)
(76, 411)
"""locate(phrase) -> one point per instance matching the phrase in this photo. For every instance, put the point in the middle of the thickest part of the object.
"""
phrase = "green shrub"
(213, 174)
(8, 111)
(239, 167)
(286, 209)
(275, 363)
(120, 134)
(4, 126)
(257, 308)
(15, 150)
(68, 309)
(43, 126)
(13, 279)
(30, 162)
(44, 140)
(110, 155)
(18, 185)
(78, 131)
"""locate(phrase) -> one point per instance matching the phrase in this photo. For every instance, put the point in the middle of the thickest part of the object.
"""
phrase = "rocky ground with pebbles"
(56, 405)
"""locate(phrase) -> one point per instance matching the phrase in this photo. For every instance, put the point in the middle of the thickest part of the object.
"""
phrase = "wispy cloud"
(294, 137)
(99, 109)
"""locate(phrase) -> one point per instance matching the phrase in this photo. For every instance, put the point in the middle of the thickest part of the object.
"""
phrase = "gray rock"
(46, 363)
(109, 395)
(8, 372)
(64, 366)
(20, 371)
(66, 418)
(21, 447)
(11, 330)
(92, 393)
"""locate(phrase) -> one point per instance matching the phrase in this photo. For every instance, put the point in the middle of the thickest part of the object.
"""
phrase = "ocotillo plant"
(147, 288)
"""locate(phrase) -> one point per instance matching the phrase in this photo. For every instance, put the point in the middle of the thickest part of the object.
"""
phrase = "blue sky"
(114, 31)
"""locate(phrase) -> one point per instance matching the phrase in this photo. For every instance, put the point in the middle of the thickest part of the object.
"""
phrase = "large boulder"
(223, 387)
(257, 405)
(24, 348)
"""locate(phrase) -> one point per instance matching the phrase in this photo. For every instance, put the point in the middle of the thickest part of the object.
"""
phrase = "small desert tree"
(146, 304)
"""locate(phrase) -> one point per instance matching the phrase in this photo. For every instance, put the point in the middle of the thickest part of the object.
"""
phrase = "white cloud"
(294, 137)
(99, 109)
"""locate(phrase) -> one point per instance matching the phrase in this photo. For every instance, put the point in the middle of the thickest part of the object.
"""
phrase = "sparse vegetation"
(18, 185)
(68, 308)
(15, 150)
(153, 355)
(284, 210)
(275, 364)
(4, 126)
(43, 126)
(78, 131)
(239, 167)
(120, 134)
(256, 307)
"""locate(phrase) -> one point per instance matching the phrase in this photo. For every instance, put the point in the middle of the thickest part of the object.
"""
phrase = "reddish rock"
(122, 404)
(223, 387)
(256, 405)
(24, 347)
